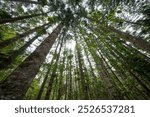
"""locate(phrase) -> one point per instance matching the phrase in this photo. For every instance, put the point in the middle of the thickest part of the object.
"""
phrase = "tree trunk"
(138, 42)
(16, 85)
(8, 20)
(7, 61)
(62, 66)
(84, 84)
(14, 39)
(13, 55)
(53, 74)
(46, 76)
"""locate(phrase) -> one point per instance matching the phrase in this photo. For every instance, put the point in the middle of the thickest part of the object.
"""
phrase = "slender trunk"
(78, 82)
(119, 85)
(16, 85)
(53, 75)
(82, 74)
(25, 1)
(46, 76)
(70, 95)
(108, 78)
(61, 79)
(138, 42)
(6, 62)
(90, 65)
(97, 82)
(120, 71)
(14, 39)
(8, 20)
(66, 83)
(104, 78)
(20, 51)
(127, 65)
(16, 53)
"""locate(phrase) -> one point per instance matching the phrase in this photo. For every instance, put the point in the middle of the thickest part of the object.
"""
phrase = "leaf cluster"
(4, 14)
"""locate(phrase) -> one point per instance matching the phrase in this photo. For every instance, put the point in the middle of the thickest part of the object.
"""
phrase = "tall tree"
(14, 54)
(53, 74)
(136, 41)
(47, 74)
(14, 19)
(100, 59)
(16, 85)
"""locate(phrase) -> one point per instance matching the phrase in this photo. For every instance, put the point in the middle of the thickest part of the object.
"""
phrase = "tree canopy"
(74, 49)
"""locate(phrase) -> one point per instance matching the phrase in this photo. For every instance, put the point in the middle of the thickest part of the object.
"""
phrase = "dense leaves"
(75, 49)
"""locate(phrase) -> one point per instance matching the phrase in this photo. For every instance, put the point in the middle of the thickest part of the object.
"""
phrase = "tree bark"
(84, 84)
(13, 55)
(46, 76)
(138, 42)
(6, 62)
(8, 20)
(16, 85)
(60, 92)
(53, 74)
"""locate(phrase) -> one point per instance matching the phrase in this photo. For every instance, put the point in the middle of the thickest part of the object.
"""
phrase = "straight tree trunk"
(46, 76)
(69, 76)
(79, 89)
(6, 62)
(114, 51)
(82, 74)
(53, 74)
(97, 85)
(138, 42)
(18, 52)
(14, 19)
(14, 39)
(122, 70)
(101, 90)
(109, 83)
(16, 85)
(60, 93)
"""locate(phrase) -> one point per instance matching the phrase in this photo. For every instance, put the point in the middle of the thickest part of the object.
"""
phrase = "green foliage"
(43, 2)
(104, 70)
(146, 26)
(33, 90)
(67, 17)
(53, 19)
(96, 15)
(144, 22)
(70, 56)
(140, 65)
(4, 14)
(6, 32)
(146, 10)
(20, 9)
(74, 2)
(4, 58)
(41, 31)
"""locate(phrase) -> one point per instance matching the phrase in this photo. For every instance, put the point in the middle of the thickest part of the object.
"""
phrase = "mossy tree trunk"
(16, 85)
